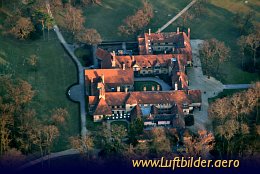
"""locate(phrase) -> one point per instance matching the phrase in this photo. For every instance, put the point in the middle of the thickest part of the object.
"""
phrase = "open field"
(217, 23)
(54, 74)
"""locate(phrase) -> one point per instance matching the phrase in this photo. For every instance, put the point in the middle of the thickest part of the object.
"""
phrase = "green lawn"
(55, 73)
(84, 55)
(216, 24)
(139, 86)
(108, 17)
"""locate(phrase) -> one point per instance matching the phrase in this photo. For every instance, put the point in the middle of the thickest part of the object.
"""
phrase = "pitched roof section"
(102, 108)
(116, 98)
(105, 58)
(116, 76)
(170, 37)
(145, 60)
(149, 97)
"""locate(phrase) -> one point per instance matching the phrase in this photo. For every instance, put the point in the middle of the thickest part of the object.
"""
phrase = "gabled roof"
(117, 76)
(102, 108)
(105, 58)
(170, 37)
(145, 60)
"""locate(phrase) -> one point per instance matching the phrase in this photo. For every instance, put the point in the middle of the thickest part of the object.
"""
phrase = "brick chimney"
(118, 88)
(102, 93)
(103, 78)
(176, 86)
(144, 88)
(91, 86)
(189, 33)
(178, 30)
(113, 59)
(158, 88)
(133, 58)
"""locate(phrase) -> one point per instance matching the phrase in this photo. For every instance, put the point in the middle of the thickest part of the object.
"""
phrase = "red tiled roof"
(105, 58)
(178, 97)
(102, 108)
(116, 76)
(145, 60)
(116, 98)
(171, 37)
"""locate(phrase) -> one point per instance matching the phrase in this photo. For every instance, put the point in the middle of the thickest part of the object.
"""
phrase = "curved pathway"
(51, 156)
(79, 95)
(165, 86)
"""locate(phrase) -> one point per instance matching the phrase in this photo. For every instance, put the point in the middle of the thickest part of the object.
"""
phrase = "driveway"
(165, 86)
(210, 87)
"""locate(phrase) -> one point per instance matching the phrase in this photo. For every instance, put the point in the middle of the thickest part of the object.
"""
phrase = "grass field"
(84, 55)
(216, 24)
(139, 86)
(54, 75)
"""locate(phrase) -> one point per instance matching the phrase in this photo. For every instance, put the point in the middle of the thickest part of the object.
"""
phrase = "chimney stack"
(123, 66)
(91, 86)
(144, 88)
(102, 93)
(114, 59)
(158, 87)
(176, 86)
(126, 89)
(149, 31)
(103, 78)
(189, 33)
(178, 30)
(118, 89)
(133, 58)
(152, 88)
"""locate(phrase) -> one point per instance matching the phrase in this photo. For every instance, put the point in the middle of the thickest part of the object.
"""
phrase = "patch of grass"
(84, 55)
(55, 73)
(139, 86)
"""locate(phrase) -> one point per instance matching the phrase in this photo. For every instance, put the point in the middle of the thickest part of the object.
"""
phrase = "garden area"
(139, 86)
(84, 55)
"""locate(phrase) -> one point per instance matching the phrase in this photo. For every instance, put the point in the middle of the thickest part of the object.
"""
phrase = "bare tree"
(213, 53)
(160, 144)
(59, 116)
(138, 21)
(22, 28)
(5, 133)
(243, 21)
(88, 36)
(84, 145)
(73, 19)
(251, 42)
